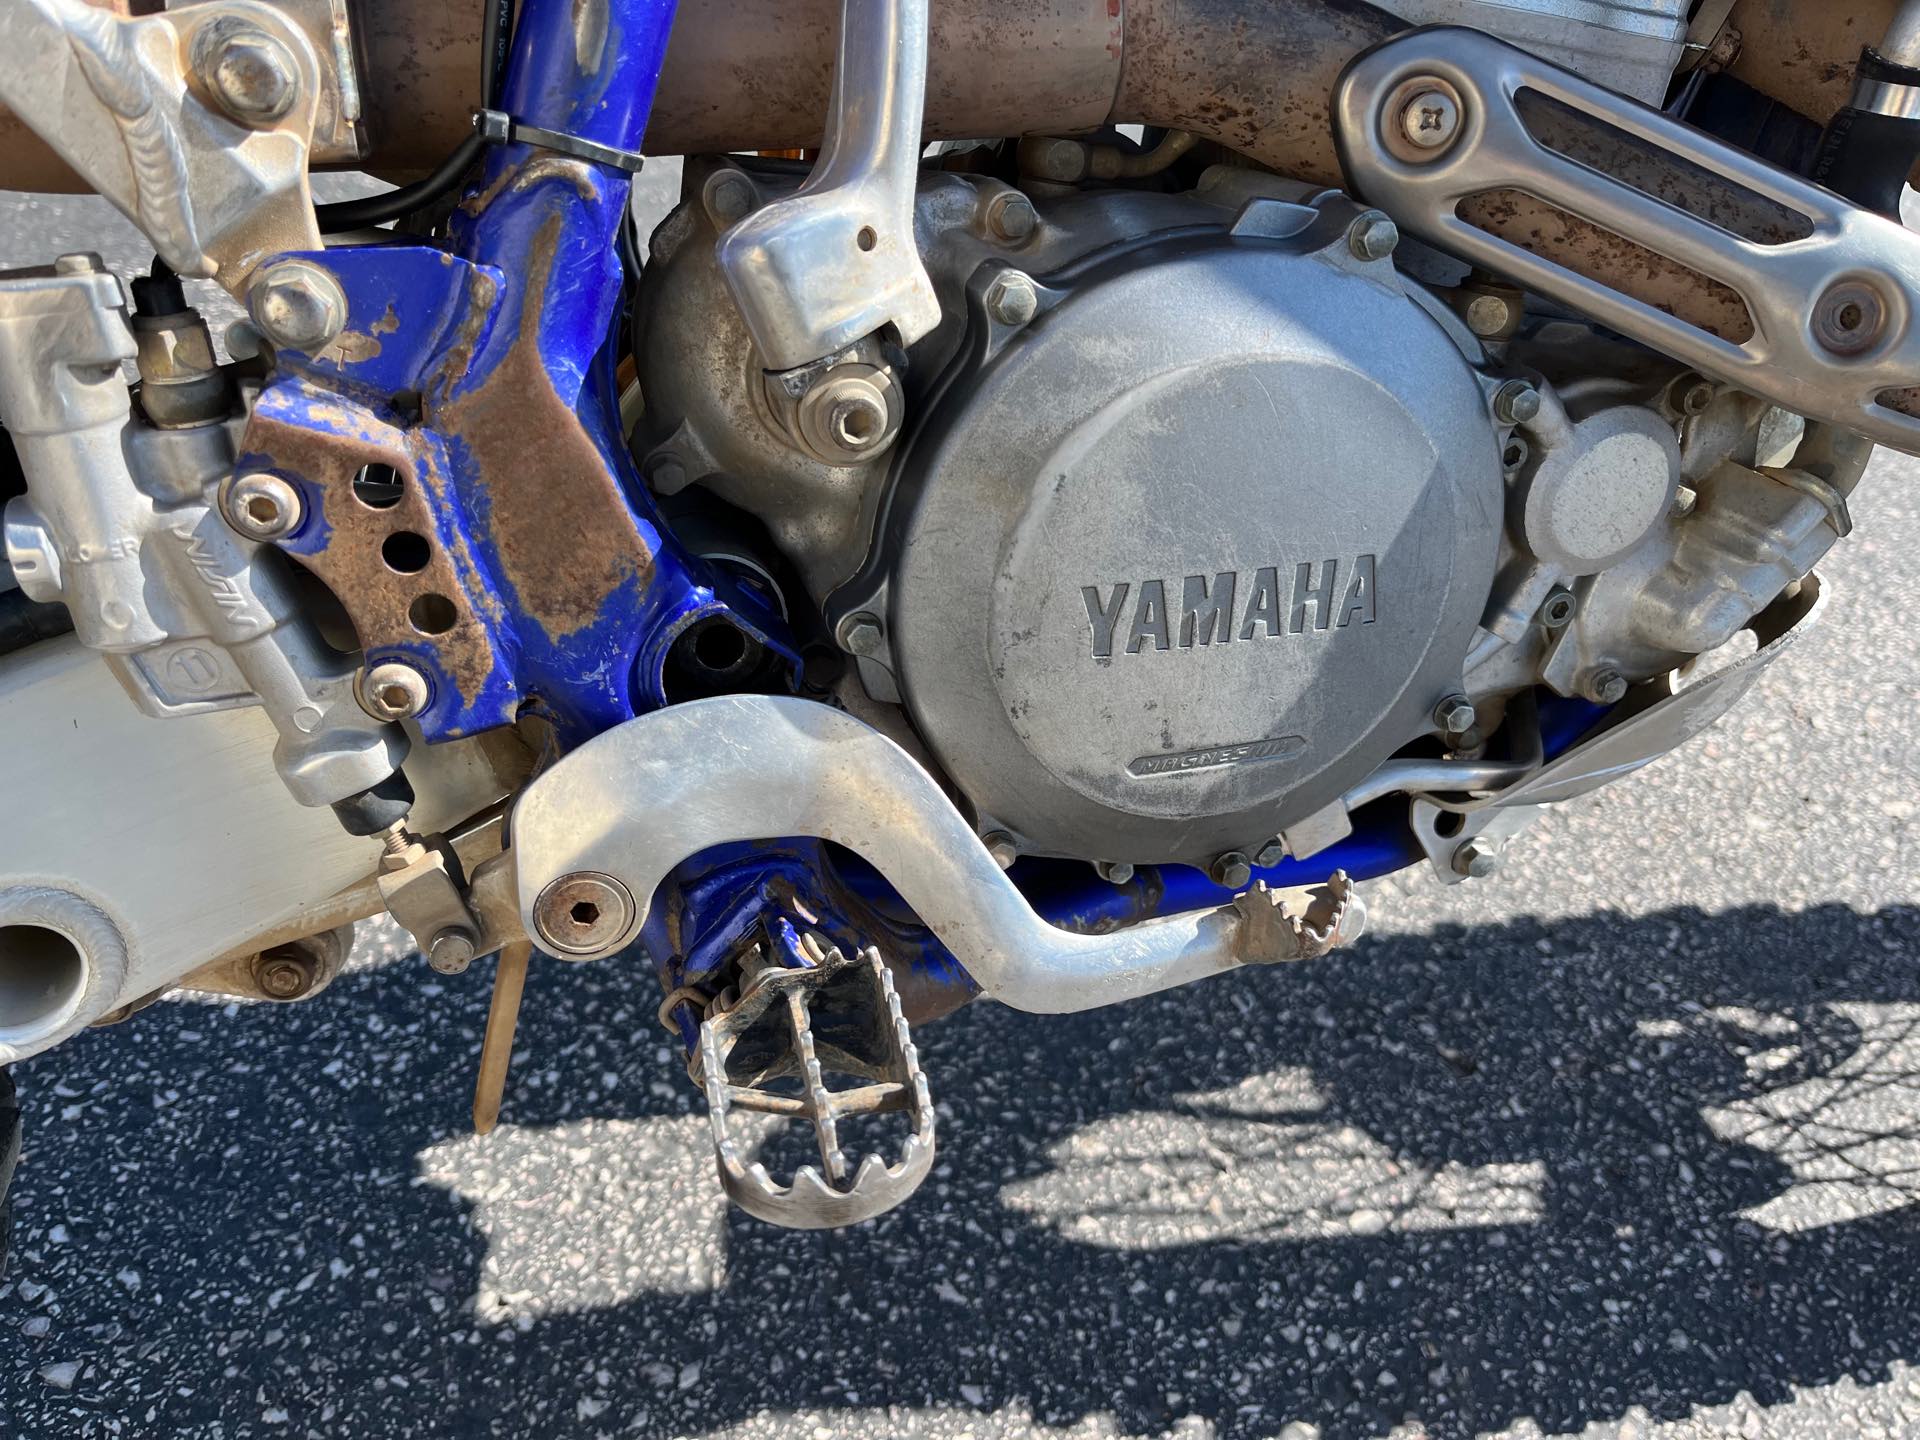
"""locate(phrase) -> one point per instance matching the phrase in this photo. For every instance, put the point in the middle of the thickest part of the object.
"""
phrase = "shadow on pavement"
(1466, 1177)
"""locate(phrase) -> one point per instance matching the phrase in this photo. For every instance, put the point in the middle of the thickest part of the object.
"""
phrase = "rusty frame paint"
(482, 373)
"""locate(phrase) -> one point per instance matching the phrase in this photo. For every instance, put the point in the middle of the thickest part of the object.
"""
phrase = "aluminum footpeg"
(836, 260)
(803, 1011)
(1546, 179)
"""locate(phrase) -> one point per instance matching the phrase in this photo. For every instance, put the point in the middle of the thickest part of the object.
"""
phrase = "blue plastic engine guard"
(519, 305)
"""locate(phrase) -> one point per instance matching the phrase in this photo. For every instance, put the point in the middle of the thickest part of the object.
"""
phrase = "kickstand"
(496, 1050)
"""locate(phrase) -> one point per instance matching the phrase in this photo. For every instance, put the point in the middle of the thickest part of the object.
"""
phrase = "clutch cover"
(1196, 549)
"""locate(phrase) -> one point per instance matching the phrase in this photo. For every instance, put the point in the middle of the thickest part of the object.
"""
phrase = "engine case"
(1169, 567)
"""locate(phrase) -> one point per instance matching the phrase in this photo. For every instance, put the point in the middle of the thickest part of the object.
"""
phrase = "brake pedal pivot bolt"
(392, 690)
(1515, 403)
(1477, 859)
(1430, 120)
(1231, 870)
(1012, 299)
(1373, 236)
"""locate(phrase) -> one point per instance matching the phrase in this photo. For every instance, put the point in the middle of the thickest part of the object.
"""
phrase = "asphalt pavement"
(1625, 1142)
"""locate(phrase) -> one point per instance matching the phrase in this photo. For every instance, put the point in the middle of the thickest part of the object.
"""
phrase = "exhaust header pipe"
(614, 818)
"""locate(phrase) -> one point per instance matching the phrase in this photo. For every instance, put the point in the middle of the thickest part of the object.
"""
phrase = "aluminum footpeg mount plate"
(836, 260)
(802, 1011)
(1831, 304)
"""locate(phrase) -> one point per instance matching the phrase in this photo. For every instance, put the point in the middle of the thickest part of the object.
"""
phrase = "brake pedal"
(803, 1011)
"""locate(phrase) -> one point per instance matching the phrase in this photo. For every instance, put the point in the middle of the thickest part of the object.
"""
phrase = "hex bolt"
(297, 305)
(1271, 853)
(1114, 872)
(1012, 299)
(251, 75)
(1606, 687)
(1000, 845)
(1455, 715)
(1558, 609)
(1515, 403)
(452, 950)
(1373, 236)
(1489, 316)
(730, 197)
(393, 690)
(861, 634)
(262, 506)
(281, 977)
(582, 912)
(1478, 858)
(1431, 120)
(81, 262)
(1685, 498)
(1232, 870)
(1011, 217)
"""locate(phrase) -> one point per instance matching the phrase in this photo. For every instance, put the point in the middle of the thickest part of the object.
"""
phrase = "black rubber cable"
(343, 215)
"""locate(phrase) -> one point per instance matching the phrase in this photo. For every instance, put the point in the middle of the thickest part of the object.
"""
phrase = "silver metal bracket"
(803, 1011)
(836, 260)
(1828, 289)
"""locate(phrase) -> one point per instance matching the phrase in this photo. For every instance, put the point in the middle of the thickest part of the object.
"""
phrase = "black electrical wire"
(343, 215)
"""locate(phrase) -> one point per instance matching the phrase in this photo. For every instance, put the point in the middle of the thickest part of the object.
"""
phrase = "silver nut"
(452, 950)
(261, 506)
(1431, 120)
(1489, 316)
(1011, 217)
(1373, 236)
(1001, 847)
(393, 691)
(1606, 687)
(297, 305)
(252, 76)
(1232, 870)
(1455, 715)
(1271, 853)
(1558, 609)
(1477, 859)
(1012, 298)
(1114, 872)
(583, 912)
(1515, 403)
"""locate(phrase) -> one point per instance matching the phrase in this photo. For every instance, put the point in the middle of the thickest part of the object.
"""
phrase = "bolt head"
(1373, 236)
(297, 305)
(1850, 318)
(1558, 609)
(1271, 853)
(1011, 217)
(1477, 859)
(1001, 847)
(1114, 872)
(261, 506)
(252, 77)
(861, 635)
(451, 951)
(1431, 120)
(1012, 298)
(1489, 316)
(581, 913)
(857, 422)
(81, 262)
(281, 978)
(1231, 870)
(392, 690)
(1607, 687)
(1455, 715)
(1685, 498)
(730, 197)
(1516, 403)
